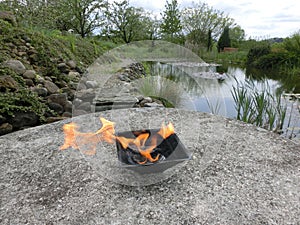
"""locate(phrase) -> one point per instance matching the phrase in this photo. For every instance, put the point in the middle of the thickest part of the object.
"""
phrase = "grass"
(258, 105)
(160, 88)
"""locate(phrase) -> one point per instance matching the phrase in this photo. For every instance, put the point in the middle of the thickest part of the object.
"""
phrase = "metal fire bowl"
(171, 151)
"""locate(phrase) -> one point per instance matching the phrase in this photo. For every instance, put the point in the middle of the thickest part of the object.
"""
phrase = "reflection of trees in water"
(288, 82)
(184, 75)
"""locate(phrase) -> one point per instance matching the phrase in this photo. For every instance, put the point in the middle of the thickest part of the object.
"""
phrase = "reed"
(257, 104)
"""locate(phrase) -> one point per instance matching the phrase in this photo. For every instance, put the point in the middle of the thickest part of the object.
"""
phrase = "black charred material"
(170, 151)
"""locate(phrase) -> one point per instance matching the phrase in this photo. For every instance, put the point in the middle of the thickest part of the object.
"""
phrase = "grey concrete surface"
(238, 175)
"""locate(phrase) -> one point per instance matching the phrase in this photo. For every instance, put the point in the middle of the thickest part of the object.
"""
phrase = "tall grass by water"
(259, 105)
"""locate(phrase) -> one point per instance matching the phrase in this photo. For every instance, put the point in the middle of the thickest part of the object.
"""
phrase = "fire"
(75, 139)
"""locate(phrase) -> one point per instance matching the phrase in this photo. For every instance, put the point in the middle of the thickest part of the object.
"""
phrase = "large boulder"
(23, 120)
(15, 65)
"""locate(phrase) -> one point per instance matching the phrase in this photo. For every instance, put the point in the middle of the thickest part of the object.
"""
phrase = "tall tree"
(209, 41)
(83, 16)
(123, 21)
(237, 35)
(199, 19)
(171, 27)
(224, 40)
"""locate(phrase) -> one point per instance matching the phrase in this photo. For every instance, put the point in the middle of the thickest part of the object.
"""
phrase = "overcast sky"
(259, 18)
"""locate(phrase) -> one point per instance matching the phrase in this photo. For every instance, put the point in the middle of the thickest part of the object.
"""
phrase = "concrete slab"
(239, 175)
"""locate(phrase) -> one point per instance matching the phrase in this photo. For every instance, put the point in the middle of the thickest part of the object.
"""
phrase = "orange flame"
(75, 139)
(166, 131)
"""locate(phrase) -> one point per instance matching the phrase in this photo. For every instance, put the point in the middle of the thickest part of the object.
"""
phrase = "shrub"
(255, 53)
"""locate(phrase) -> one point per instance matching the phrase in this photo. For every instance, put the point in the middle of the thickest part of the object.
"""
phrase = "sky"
(259, 18)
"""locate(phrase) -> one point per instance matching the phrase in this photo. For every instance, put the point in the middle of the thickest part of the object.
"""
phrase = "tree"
(171, 25)
(209, 41)
(124, 21)
(292, 44)
(199, 19)
(224, 40)
(82, 16)
(237, 35)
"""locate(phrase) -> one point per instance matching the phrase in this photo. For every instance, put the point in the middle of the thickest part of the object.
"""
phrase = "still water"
(206, 89)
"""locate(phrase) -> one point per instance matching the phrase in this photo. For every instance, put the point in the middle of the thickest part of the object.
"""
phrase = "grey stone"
(91, 84)
(51, 87)
(48, 79)
(237, 175)
(79, 112)
(15, 65)
(68, 106)
(74, 75)
(29, 82)
(77, 102)
(71, 64)
(86, 95)
(56, 107)
(86, 106)
(152, 104)
(23, 119)
(54, 119)
(67, 114)
(41, 91)
(5, 128)
(63, 67)
(58, 98)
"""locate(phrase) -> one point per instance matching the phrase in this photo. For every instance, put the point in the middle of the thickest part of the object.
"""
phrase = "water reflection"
(211, 95)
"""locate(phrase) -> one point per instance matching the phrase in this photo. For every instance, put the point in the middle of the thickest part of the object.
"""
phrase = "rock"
(56, 107)
(123, 77)
(2, 119)
(29, 74)
(78, 112)
(153, 105)
(6, 128)
(15, 65)
(63, 67)
(29, 82)
(7, 82)
(60, 99)
(86, 95)
(54, 119)
(51, 87)
(41, 91)
(9, 17)
(40, 80)
(71, 64)
(23, 119)
(49, 79)
(21, 54)
(67, 114)
(74, 76)
(69, 92)
(91, 84)
(86, 106)
(145, 101)
(77, 102)
(68, 106)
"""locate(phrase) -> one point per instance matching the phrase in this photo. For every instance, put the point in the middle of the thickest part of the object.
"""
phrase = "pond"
(209, 88)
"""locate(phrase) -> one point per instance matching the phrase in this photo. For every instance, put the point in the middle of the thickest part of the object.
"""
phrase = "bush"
(277, 60)
(255, 53)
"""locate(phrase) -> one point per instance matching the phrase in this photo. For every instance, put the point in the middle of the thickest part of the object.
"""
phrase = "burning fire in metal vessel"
(140, 147)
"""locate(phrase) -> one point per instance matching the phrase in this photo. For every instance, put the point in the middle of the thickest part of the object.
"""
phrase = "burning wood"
(143, 143)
